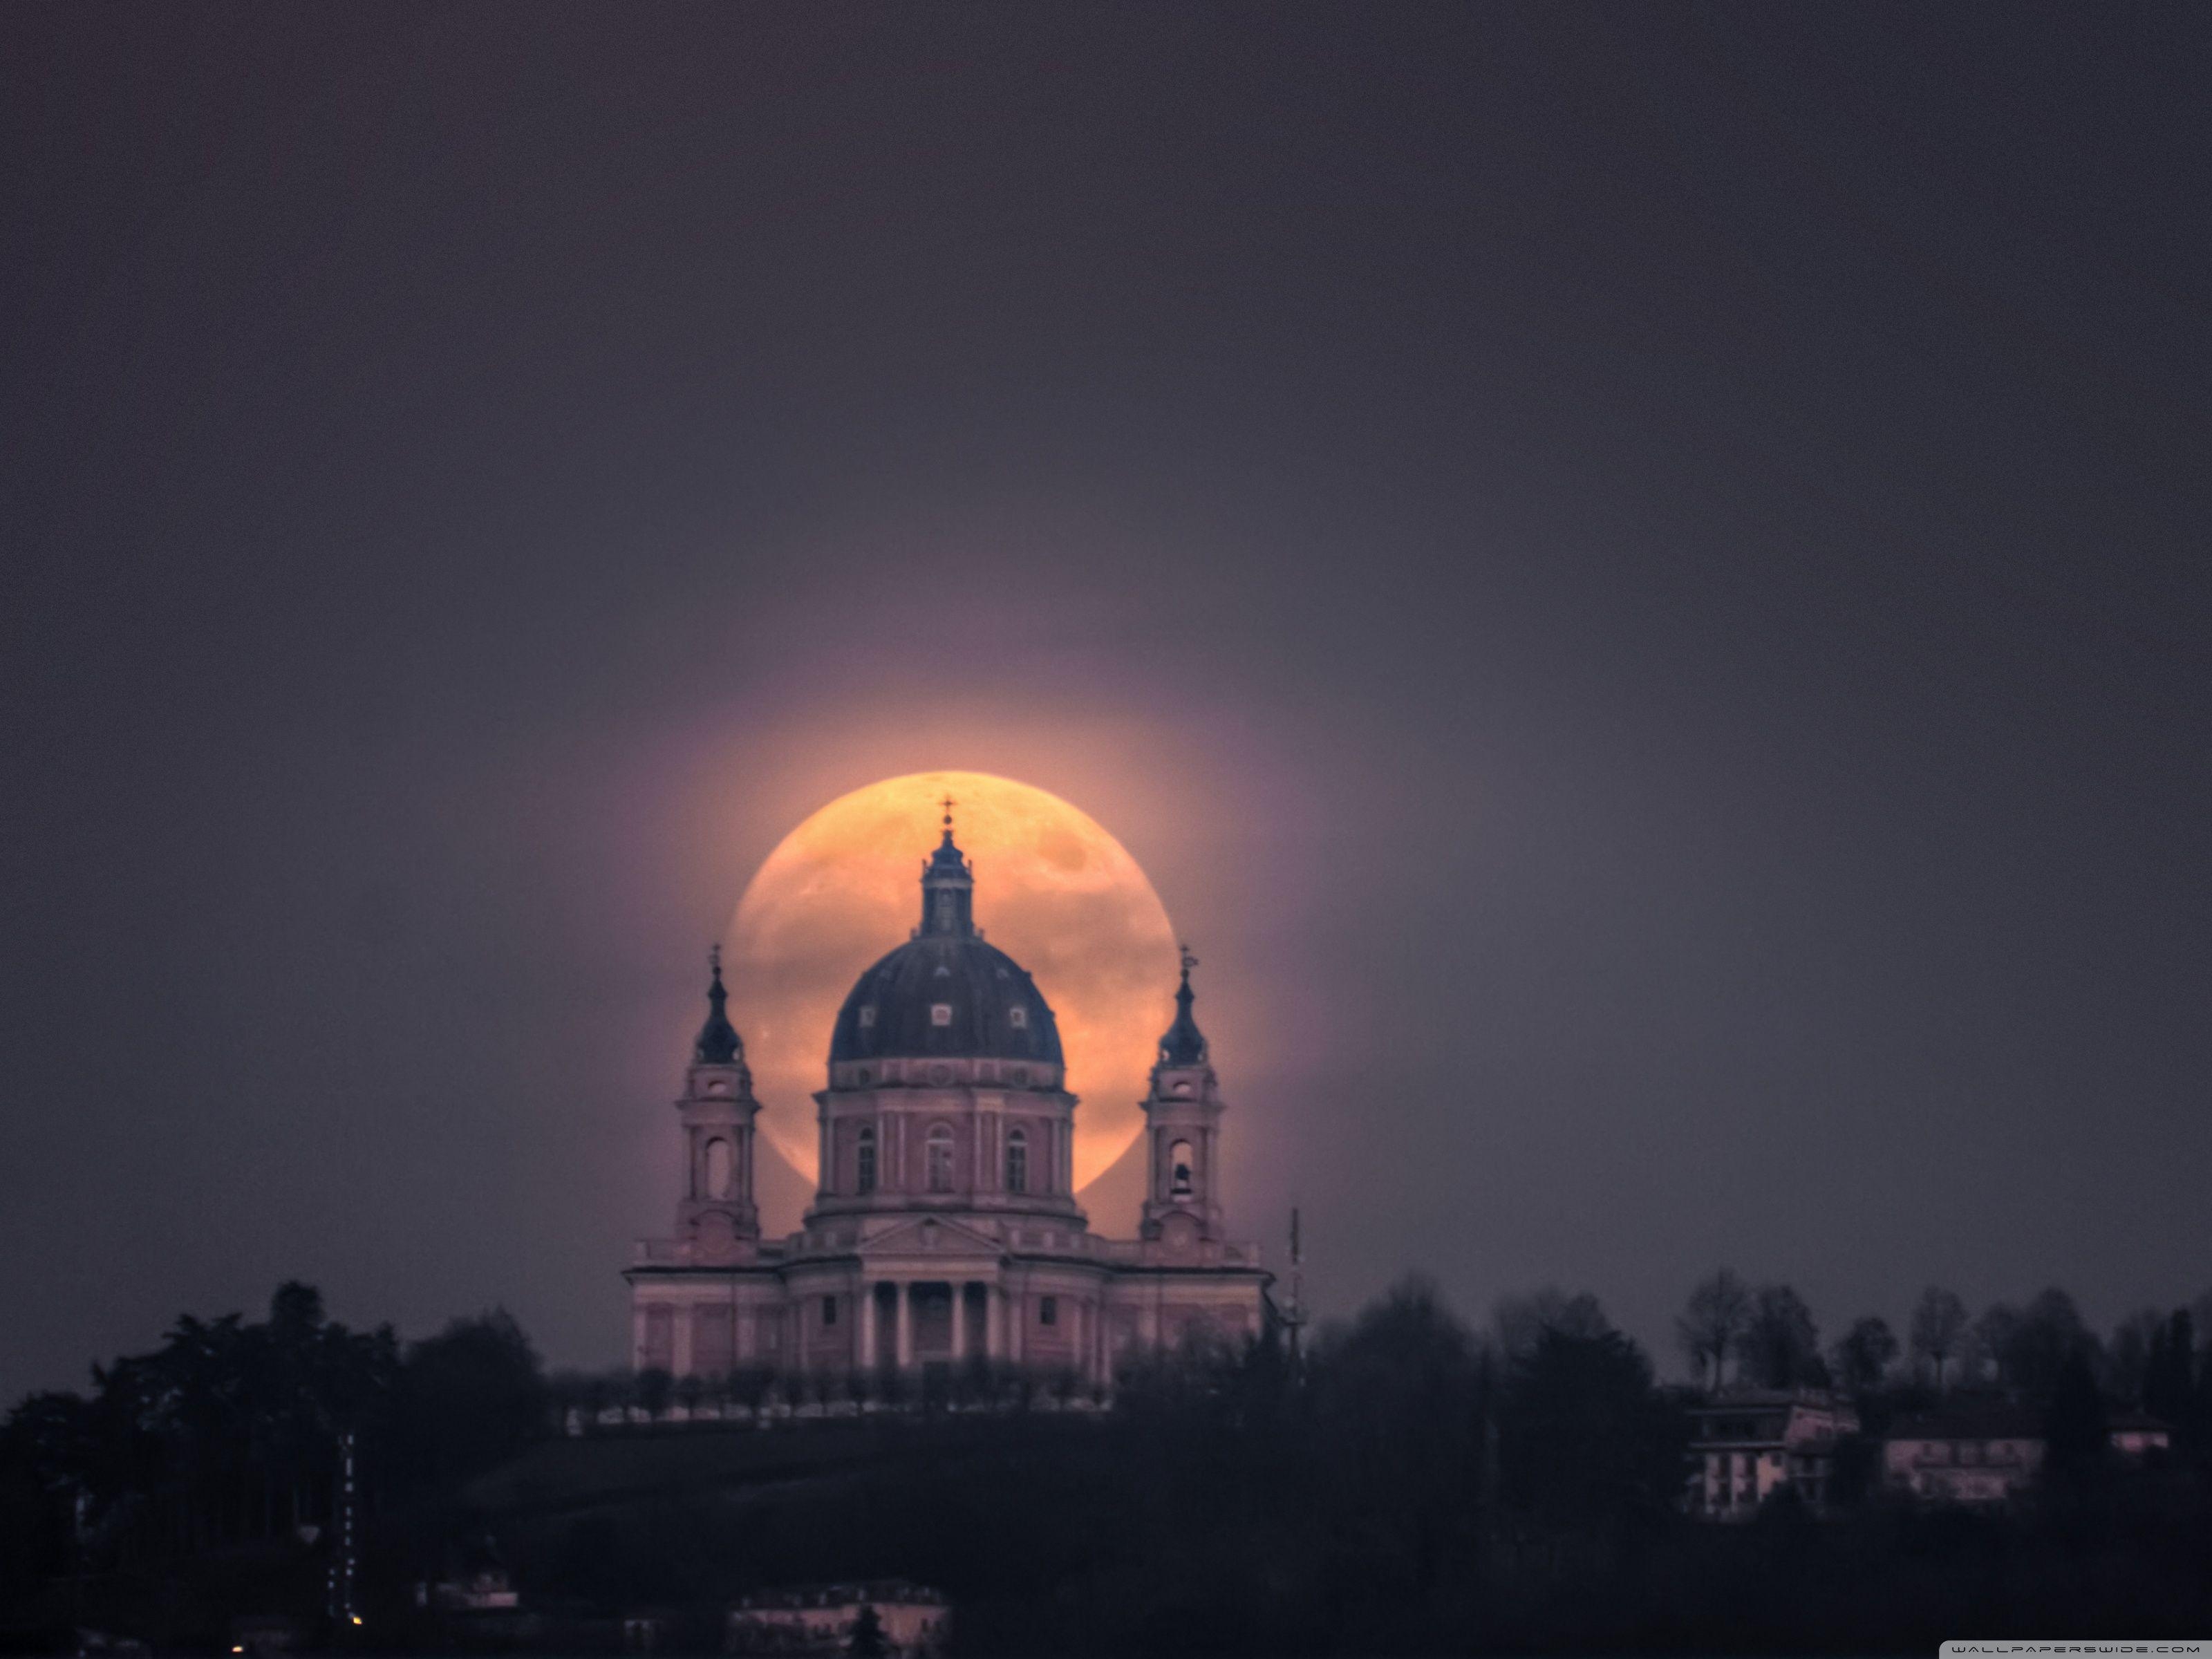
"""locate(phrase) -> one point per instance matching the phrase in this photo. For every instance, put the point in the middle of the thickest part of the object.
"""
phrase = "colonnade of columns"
(999, 1339)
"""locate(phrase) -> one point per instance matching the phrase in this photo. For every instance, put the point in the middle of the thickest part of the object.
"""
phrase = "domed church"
(944, 1230)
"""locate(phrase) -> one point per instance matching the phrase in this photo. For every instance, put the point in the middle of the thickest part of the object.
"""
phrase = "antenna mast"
(1294, 1316)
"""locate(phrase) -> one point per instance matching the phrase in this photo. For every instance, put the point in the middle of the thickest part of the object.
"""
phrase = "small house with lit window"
(944, 1230)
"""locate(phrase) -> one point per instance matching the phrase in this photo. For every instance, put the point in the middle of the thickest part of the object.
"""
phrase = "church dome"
(992, 1008)
(945, 993)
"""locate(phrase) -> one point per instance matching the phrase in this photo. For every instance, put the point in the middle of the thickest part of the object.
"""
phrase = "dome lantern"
(945, 993)
(948, 887)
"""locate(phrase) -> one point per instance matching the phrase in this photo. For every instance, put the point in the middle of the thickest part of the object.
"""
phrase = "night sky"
(1635, 576)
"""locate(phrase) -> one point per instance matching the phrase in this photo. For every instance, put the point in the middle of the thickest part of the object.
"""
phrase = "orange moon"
(1052, 889)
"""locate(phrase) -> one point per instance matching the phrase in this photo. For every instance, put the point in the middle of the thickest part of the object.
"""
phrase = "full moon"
(1052, 889)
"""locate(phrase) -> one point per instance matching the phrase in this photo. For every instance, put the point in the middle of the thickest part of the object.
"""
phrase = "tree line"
(1735, 1333)
(223, 1445)
(1414, 1481)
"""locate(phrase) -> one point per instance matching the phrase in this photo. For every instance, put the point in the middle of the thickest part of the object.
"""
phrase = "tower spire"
(718, 1044)
(1184, 1043)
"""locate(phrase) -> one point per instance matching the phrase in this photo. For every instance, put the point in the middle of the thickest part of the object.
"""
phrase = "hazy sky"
(1636, 577)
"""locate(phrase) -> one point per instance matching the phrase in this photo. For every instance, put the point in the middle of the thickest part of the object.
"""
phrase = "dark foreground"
(1406, 1491)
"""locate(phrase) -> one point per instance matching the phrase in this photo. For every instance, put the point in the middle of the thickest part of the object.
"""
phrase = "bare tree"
(1939, 1326)
(1714, 1317)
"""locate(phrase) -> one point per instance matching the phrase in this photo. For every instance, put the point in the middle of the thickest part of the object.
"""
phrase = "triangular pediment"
(931, 1236)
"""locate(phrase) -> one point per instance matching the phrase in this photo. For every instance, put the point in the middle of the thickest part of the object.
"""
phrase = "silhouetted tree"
(651, 1390)
(2132, 1353)
(1863, 1355)
(2027, 1348)
(1939, 1326)
(1779, 1346)
(751, 1386)
(467, 1398)
(2076, 1431)
(568, 1393)
(1585, 1444)
(866, 1641)
(1393, 1398)
(2169, 1383)
(1715, 1317)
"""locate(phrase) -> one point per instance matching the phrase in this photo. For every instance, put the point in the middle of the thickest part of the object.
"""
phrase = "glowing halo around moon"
(1052, 889)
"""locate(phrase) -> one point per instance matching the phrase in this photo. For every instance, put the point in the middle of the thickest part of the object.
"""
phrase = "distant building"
(2137, 1437)
(945, 1228)
(915, 1621)
(1984, 1452)
(488, 1591)
(1748, 1444)
(476, 1580)
(253, 1633)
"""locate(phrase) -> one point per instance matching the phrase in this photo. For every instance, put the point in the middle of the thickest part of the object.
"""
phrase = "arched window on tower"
(1179, 1169)
(864, 1162)
(718, 1167)
(1017, 1161)
(940, 1158)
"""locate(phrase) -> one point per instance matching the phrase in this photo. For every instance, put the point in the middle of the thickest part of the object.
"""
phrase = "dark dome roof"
(991, 1009)
(996, 1010)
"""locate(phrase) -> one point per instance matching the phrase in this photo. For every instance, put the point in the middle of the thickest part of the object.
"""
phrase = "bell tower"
(716, 1218)
(1182, 1133)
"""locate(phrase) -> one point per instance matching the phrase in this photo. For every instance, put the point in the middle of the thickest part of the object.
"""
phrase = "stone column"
(959, 1320)
(865, 1311)
(992, 1346)
(905, 1325)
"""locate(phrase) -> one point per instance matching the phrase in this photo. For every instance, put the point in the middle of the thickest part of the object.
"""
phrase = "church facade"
(943, 1228)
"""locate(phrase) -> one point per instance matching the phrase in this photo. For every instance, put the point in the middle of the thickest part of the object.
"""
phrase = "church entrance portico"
(920, 1321)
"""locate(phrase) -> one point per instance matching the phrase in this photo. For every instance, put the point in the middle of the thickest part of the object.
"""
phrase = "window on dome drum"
(1048, 1310)
(1017, 1161)
(718, 1167)
(940, 1158)
(1018, 1018)
(864, 1161)
(829, 1309)
(940, 1014)
(1179, 1165)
